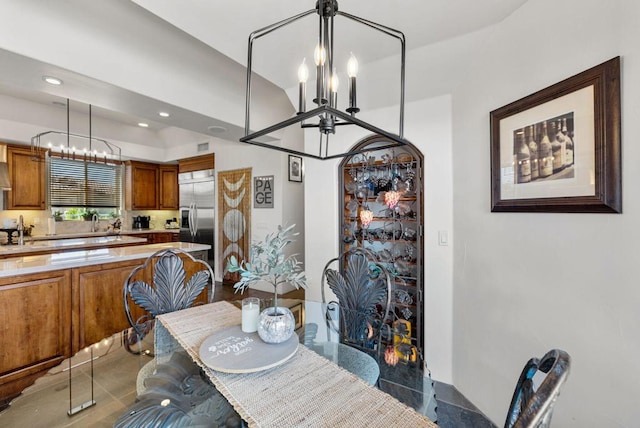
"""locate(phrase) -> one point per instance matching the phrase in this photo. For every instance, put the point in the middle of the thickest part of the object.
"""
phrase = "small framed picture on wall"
(295, 168)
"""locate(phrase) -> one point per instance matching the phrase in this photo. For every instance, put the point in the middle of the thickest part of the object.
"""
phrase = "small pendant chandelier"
(325, 115)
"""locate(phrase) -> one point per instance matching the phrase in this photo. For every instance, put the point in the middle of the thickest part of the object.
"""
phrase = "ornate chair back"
(363, 290)
(532, 406)
(170, 290)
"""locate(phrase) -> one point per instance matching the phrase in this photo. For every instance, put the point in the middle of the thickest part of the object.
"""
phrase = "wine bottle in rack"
(533, 151)
(556, 150)
(523, 159)
(563, 144)
(545, 157)
(568, 143)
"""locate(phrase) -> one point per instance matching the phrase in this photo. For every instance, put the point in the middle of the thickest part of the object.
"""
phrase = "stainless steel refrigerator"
(197, 202)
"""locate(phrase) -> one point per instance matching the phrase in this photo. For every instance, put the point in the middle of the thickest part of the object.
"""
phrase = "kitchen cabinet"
(197, 163)
(162, 237)
(49, 316)
(141, 186)
(27, 176)
(35, 319)
(98, 304)
(381, 211)
(156, 237)
(168, 187)
(150, 186)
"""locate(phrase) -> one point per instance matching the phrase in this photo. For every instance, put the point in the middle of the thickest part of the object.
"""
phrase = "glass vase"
(276, 324)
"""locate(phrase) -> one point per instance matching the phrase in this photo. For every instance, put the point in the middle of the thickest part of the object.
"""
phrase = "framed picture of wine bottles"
(558, 150)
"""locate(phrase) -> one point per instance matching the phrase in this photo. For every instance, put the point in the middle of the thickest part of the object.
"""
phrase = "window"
(76, 183)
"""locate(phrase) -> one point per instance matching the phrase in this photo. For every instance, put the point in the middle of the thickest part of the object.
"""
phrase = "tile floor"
(45, 403)
(454, 410)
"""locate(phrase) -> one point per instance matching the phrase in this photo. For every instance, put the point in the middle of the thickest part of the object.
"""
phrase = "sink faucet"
(20, 230)
(94, 223)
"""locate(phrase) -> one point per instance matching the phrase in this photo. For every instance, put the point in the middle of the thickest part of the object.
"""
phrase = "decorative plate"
(233, 351)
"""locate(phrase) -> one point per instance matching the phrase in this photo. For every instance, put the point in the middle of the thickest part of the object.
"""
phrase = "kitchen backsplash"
(40, 220)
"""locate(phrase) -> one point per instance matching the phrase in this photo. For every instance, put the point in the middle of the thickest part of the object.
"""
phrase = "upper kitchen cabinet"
(197, 163)
(141, 186)
(168, 191)
(27, 176)
(150, 186)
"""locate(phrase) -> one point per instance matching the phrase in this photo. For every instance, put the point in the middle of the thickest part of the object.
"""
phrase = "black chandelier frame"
(329, 116)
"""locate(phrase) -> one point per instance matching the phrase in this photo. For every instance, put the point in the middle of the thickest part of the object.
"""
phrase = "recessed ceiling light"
(143, 125)
(215, 129)
(163, 114)
(52, 80)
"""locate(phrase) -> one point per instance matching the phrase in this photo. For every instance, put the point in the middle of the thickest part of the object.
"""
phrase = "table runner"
(308, 390)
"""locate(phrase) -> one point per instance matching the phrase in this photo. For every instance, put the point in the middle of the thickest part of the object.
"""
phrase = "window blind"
(76, 183)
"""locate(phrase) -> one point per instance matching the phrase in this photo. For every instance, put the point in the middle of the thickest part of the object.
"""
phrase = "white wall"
(288, 200)
(526, 283)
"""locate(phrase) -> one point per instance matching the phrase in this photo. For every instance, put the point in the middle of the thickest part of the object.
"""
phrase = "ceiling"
(226, 26)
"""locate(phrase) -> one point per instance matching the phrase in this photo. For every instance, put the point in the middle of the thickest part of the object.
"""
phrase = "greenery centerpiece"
(268, 263)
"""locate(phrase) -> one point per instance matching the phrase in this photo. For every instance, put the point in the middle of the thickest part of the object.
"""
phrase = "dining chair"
(178, 395)
(168, 291)
(363, 308)
(178, 380)
(533, 402)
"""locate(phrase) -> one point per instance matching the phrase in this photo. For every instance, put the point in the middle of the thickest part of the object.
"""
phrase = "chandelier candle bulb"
(250, 314)
(334, 89)
(319, 56)
(303, 75)
(352, 72)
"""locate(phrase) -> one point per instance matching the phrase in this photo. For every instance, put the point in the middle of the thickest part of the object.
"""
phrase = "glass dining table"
(322, 383)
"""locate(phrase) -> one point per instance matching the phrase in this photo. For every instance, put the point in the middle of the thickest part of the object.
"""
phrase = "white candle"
(250, 314)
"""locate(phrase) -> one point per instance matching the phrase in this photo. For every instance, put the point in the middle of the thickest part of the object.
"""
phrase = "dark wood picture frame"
(295, 168)
(519, 121)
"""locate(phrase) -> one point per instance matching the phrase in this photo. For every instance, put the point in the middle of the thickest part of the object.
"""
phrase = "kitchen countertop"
(72, 259)
(100, 234)
(31, 246)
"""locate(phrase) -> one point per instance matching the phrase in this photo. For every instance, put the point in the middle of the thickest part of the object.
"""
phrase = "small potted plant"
(87, 215)
(268, 262)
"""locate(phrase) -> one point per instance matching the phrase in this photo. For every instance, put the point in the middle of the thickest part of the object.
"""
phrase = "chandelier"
(75, 146)
(325, 115)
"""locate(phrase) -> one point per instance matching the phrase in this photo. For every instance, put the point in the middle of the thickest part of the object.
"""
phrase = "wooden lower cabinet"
(48, 317)
(162, 237)
(35, 320)
(98, 305)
